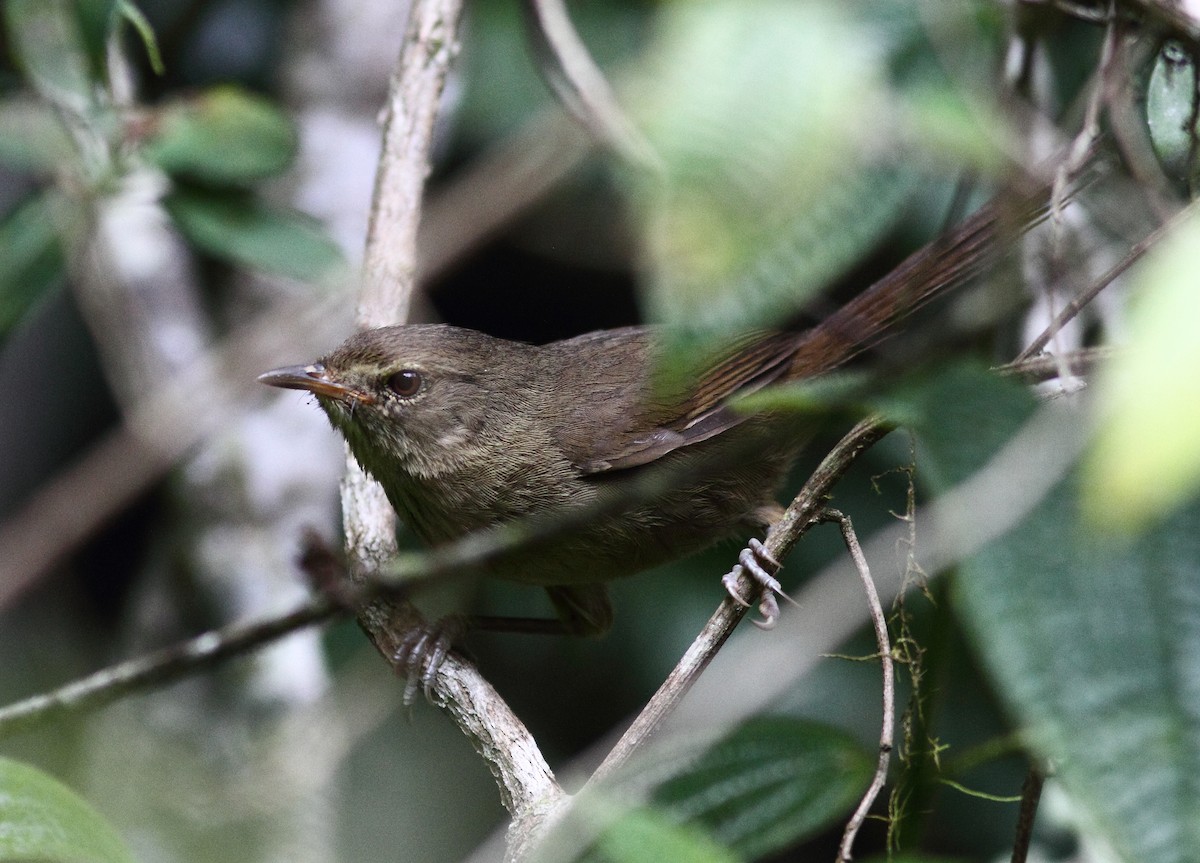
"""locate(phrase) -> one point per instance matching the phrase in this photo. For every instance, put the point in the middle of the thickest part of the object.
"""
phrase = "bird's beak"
(314, 379)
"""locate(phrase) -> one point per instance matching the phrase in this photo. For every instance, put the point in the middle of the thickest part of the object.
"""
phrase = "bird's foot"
(756, 562)
(421, 652)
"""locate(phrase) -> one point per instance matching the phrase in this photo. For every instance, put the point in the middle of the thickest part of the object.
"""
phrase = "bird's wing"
(623, 417)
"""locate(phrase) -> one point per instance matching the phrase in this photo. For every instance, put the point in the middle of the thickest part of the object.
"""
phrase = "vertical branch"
(889, 683)
(414, 95)
(1031, 794)
(527, 786)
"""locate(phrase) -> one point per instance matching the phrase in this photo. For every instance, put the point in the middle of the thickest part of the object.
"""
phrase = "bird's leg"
(582, 610)
(423, 649)
(760, 567)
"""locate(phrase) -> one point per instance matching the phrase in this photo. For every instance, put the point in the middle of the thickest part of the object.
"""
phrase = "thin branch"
(1044, 368)
(1078, 303)
(887, 732)
(797, 519)
(414, 95)
(575, 78)
(1031, 794)
(161, 667)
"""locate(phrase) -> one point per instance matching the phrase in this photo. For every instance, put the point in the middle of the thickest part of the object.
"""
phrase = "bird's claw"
(758, 564)
(421, 652)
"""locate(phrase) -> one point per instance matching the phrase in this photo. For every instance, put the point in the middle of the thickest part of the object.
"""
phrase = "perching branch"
(527, 786)
(797, 519)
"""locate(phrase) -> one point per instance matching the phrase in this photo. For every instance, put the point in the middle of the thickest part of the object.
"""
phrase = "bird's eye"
(405, 383)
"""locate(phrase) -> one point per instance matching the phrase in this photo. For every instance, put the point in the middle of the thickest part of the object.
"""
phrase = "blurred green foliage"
(42, 819)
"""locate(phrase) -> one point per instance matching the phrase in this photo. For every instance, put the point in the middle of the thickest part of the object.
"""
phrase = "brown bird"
(465, 431)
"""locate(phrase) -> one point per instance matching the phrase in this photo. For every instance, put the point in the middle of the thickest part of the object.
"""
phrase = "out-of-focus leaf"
(773, 782)
(936, 117)
(31, 136)
(760, 111)
(97, 18)
(131, 13)
(1092, 640)
(835, 391)
(647, 836)
(42, 819)
(1171, 96)
(240, 229)
(226, 136)
(31, 263)
(791, 144)
(1146, 458)
(49, 43)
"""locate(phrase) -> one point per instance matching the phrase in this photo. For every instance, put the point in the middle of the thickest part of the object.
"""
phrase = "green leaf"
(1146, 458)
(647, 836)
(132, 14)
(32, 138)
(761, 112)
(773, 782)
(226, 136)
(49, 44)
(836, 391)
(31, 264)
(1171, 111)
(1090, 639)
(97, 20)
(42, 819)
(242, 230)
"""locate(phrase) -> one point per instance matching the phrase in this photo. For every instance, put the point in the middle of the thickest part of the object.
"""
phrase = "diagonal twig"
(575, 78)
(1073, 308)
(160, 668)
(797, 519)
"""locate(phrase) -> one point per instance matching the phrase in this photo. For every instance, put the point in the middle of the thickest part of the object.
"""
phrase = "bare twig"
(157, 669)
(1075, 305)
(580, 85)
(1031, 793)
(1044, 367)
(414, 94)
(797, 519)
(889, 683)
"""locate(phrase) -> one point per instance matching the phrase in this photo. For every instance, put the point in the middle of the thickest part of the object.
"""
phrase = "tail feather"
(936, 268)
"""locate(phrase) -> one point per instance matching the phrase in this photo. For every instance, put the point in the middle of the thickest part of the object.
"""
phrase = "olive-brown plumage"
(465, 431)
